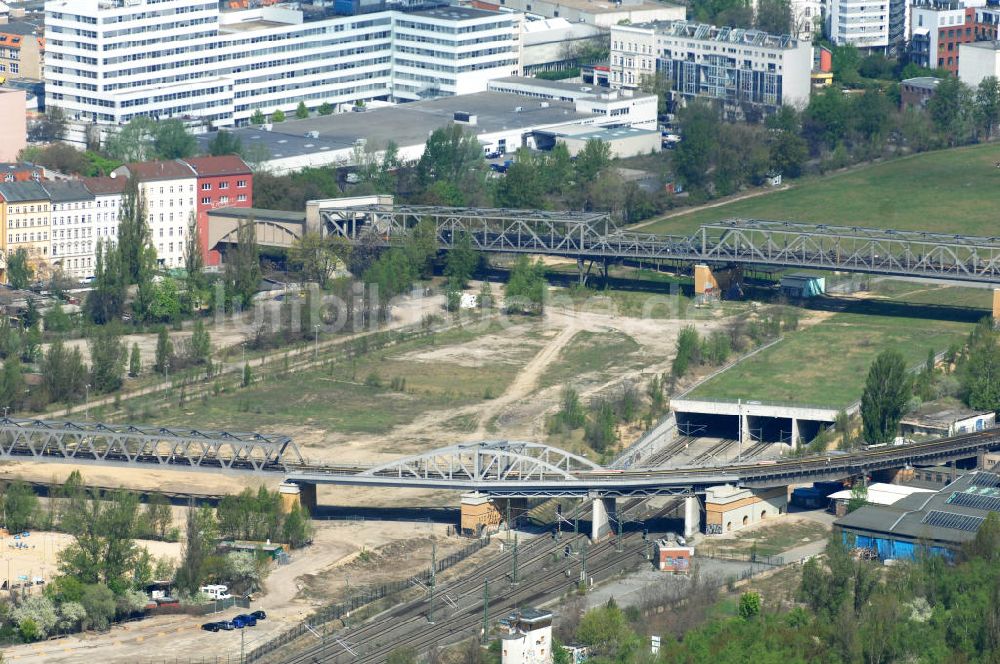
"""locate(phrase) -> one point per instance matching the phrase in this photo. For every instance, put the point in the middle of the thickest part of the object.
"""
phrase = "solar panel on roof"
(975, 501)
(954, 521)
(986, 479)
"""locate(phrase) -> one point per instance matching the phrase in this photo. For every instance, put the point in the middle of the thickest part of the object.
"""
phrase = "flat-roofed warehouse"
(502, 121)
(942, 521)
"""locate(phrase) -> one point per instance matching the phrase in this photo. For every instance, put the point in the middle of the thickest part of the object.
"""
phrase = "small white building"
(622, 141)
(729, 508)
(526, 637)
(945, 418)
(978, 60)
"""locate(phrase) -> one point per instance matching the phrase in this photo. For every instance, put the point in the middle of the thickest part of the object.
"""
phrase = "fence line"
(748, 557)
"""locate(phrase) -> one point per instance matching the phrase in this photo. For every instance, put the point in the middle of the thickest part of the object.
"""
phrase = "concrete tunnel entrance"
(704, 425)
(760, 422)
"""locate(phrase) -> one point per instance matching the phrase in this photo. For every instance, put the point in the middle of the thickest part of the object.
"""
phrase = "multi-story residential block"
(26, 222)
(222, 182)
(167, 189)
(109, 60)
(21, 51)
(938, 28)
(739, 68)
(108, 193)
(634, 53)
(72, 238)
(878, 26)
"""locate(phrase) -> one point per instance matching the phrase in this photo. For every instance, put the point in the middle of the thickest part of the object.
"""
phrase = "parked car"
(259, 615)
(211, 627)
(225, 625)
(247, 619)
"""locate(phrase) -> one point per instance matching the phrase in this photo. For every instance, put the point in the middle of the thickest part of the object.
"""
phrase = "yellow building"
(26, 223)
(21, 52)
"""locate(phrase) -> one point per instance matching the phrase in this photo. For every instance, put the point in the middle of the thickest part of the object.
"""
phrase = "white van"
(216, 592)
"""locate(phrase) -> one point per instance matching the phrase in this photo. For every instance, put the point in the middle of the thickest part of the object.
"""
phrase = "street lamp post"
(244, 345)
(739, 424)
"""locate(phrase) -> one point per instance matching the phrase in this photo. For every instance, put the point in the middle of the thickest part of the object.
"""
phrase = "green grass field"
(953, 191)
(592, 353)
(344, 397)
(825, 364)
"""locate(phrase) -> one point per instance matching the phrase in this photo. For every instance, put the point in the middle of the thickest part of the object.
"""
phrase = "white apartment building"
(109, 60)
(871, 25)
(72, 238)
(633, 53)
(168, 190)
(733, 66)
(807, 18)
(107, 193)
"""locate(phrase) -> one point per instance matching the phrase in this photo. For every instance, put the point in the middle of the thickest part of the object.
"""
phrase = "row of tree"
(834, 130)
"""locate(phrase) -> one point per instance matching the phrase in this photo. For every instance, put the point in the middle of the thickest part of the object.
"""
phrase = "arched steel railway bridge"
(498, 468)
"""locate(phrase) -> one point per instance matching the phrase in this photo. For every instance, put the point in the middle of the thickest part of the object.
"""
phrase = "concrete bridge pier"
(604, 511)
(692, 516)
(299, 495)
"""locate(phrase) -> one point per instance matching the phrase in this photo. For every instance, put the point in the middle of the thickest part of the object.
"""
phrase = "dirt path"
(709, 206)
(527, 378)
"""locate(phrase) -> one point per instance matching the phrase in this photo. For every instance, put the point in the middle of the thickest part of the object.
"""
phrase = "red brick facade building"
(222, 182)
(939, 27)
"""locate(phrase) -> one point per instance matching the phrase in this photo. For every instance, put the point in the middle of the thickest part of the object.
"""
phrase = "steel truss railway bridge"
(591, 236)
(500, 469)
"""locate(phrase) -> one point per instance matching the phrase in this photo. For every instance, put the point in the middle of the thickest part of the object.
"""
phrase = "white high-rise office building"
(107, 61)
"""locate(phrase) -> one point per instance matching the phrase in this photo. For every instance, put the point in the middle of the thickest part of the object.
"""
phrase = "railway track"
(755, 450)
(553, 584)
(667, 453)
(712, 453)
(459, 605)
